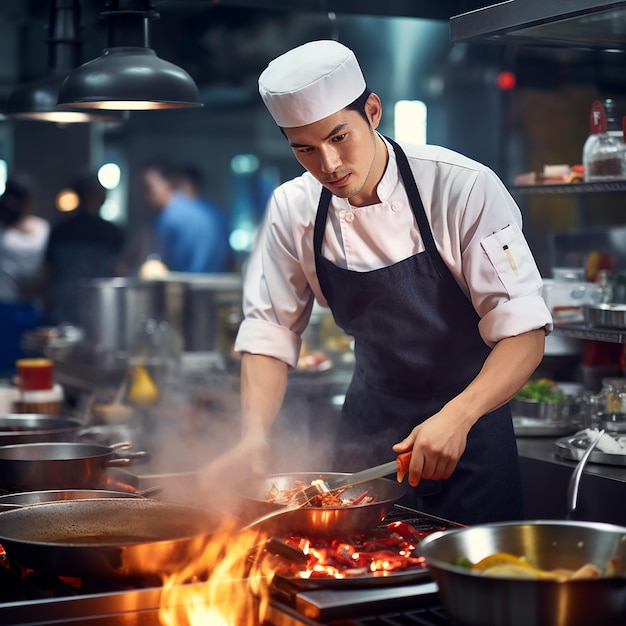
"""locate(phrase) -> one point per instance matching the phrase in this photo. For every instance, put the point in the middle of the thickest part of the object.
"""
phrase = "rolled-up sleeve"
(277, 299)
(514, 317)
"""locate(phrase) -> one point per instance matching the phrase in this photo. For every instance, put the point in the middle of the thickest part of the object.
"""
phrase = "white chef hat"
(311, 82)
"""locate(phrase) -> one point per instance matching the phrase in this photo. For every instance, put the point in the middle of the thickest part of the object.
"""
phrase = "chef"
(418, 252)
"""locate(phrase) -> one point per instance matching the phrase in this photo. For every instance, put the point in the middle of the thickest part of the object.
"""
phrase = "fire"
(234, 591)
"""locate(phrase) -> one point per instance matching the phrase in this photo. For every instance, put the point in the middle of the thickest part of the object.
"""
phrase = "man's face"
(157, 191)
(343, 152)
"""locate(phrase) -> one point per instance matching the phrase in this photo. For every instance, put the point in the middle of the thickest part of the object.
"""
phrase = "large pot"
(329, 521)
(477, 600)
(111, 309)
(195, 307)
(105, 538)
(32, 427)
(56, 465)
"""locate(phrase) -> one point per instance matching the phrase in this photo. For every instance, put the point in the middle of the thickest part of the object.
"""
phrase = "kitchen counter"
(545, 477)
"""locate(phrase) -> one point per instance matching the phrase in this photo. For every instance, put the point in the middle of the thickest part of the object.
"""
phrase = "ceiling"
(219, 42)
(225, 44)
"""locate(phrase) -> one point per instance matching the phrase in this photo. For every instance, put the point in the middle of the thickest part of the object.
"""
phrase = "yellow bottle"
(142, 390)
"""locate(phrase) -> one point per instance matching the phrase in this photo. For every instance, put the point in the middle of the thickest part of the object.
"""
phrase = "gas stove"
(30, 599)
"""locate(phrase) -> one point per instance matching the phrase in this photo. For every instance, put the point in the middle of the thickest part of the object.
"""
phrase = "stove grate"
(421, 617)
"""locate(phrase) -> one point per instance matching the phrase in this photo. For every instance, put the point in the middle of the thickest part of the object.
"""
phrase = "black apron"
(417, 346)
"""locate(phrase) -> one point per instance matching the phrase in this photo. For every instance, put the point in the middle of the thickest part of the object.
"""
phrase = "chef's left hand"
(436, 445)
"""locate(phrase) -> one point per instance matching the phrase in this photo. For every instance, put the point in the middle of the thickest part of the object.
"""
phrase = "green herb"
(543, 390)
(463, 561)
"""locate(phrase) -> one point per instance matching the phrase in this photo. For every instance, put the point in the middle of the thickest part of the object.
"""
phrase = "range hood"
(425, 9)
(592, 24)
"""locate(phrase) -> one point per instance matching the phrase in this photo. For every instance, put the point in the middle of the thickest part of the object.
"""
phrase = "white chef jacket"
(475, 223)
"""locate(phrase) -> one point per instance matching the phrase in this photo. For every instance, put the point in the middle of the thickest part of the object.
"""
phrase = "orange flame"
(236, 592)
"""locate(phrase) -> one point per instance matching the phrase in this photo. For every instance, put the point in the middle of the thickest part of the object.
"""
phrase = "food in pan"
(506, 565)
(286, 497)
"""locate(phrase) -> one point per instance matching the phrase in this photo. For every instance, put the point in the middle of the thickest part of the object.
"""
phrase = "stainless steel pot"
(476, 600)
(194, 306)
(330, 521)
(106, 538)
(57, 465)
(112, 309)
(32, 427)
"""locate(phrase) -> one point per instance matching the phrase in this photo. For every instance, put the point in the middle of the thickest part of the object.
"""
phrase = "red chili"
(360, 498)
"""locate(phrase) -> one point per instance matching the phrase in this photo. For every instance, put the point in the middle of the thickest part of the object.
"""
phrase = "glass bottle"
(604, 152)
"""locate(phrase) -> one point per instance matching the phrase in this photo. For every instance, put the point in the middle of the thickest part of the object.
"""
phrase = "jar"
(613, 395)
(604, 153)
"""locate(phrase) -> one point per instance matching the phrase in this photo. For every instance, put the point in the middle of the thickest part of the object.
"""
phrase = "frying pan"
(11, 501)
(318, 521)
(106, 538)
(56, 465)
(32, 427)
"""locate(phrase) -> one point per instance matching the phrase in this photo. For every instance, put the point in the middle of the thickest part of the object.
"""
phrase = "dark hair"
(193, 174)
(358, 105)
(86, 183)
(166, 168)
(18, 195)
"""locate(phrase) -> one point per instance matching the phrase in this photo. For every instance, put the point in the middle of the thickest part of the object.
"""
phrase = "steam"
(192, 431)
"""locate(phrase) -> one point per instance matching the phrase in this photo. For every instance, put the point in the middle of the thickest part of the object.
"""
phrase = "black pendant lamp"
(129, 75)
(37, 99)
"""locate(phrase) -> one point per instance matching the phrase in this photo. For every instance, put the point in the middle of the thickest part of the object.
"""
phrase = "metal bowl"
(476, 600)
(565, 411)
(611, 422)
(608, 315)
(312, 521)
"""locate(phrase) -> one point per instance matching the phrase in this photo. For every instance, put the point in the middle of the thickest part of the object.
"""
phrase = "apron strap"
(320, 226)
(415, 201)
(417, 206)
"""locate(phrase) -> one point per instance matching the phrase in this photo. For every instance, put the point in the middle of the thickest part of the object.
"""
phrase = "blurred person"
(82, 245)
(23, 238)
(188, 238)
(418, 251)
(190, 182)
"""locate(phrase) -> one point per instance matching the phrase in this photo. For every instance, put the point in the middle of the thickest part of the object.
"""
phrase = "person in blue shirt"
(191, 235)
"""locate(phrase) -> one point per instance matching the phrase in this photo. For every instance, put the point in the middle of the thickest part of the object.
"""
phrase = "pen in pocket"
(509, 256)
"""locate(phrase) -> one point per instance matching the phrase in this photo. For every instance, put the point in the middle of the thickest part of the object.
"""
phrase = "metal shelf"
(599, 24)
(570, 188)
(584, 331)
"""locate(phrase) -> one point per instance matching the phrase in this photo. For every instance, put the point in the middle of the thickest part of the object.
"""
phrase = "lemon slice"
(510, 566)
(498, 559)
(511, 571)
